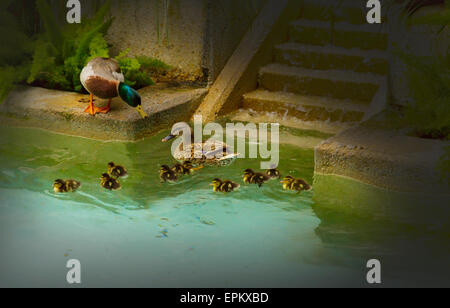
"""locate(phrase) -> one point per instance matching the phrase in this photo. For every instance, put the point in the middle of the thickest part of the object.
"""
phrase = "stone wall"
(418, 40)
(196, 36)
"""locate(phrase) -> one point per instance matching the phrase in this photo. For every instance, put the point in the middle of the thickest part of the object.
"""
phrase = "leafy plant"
(131, 69)
(62, 52)
(54, 59)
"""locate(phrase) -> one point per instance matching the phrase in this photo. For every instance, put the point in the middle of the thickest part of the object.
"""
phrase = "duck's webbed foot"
(93, 110)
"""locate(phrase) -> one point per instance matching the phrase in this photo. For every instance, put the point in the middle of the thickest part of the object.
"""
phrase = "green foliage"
(137, 70)
(62, 52)
(429, 84)
(153, 65)
(54, 59)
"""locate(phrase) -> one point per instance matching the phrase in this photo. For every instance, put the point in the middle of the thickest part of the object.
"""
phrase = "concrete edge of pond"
(62, 112)
(387, 160)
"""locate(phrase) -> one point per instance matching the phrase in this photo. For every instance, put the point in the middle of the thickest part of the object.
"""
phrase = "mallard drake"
(252, 177)
(103, 78)
(273, 173)
(224, 186)
(107, 182)
(209, 153)
(291, 183)
(185, 168)
(116, 171)
(167, 174)
(64, 186)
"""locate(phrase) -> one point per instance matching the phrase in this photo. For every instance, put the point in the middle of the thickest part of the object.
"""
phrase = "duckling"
(64, 186)
(116, 171)
(185, 168)
(248, 173)
(251, 177)
(167, 175)
(274, 173)
(290, 183)
(224, 186)
(109, 183)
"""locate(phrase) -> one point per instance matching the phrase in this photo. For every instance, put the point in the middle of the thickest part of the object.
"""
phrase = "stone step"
(305, 108)
(354, 12)
(332, 83)
(332, 58)
(323, 33)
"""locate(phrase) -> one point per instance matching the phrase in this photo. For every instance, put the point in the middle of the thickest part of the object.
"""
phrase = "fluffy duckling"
(107, 182)
(185, 168)
(251, 177)
(290, 183)
(116, 171)
(167, 175)
(273, 173)
(224, 186)
(64, 186)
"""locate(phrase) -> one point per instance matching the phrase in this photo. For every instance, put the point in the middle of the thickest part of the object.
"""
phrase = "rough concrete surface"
(384, 158)
(195, 36)
(63, 113)
(378, 170)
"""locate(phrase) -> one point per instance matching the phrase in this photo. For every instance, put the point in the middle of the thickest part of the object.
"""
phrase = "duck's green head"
(132, 98)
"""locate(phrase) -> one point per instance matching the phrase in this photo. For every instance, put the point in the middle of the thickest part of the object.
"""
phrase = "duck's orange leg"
(105, 109)
(92, 109)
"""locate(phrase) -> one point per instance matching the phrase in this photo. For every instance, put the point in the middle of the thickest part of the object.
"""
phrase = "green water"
(169, 235)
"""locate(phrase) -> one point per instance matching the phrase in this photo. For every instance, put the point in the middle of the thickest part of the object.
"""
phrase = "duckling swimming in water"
(185, 168)
(117, 171)
(224, 186)
(167, 175)
(64, 186)
(274, 173)
(107, 182)
(290, 183)
(251, 177)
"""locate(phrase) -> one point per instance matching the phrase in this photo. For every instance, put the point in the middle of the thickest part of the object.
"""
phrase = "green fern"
(130, 68)
(56, 57)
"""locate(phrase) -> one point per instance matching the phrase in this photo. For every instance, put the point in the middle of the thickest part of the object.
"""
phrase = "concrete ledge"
(63, 113)
(384, 158)
(382, 172)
